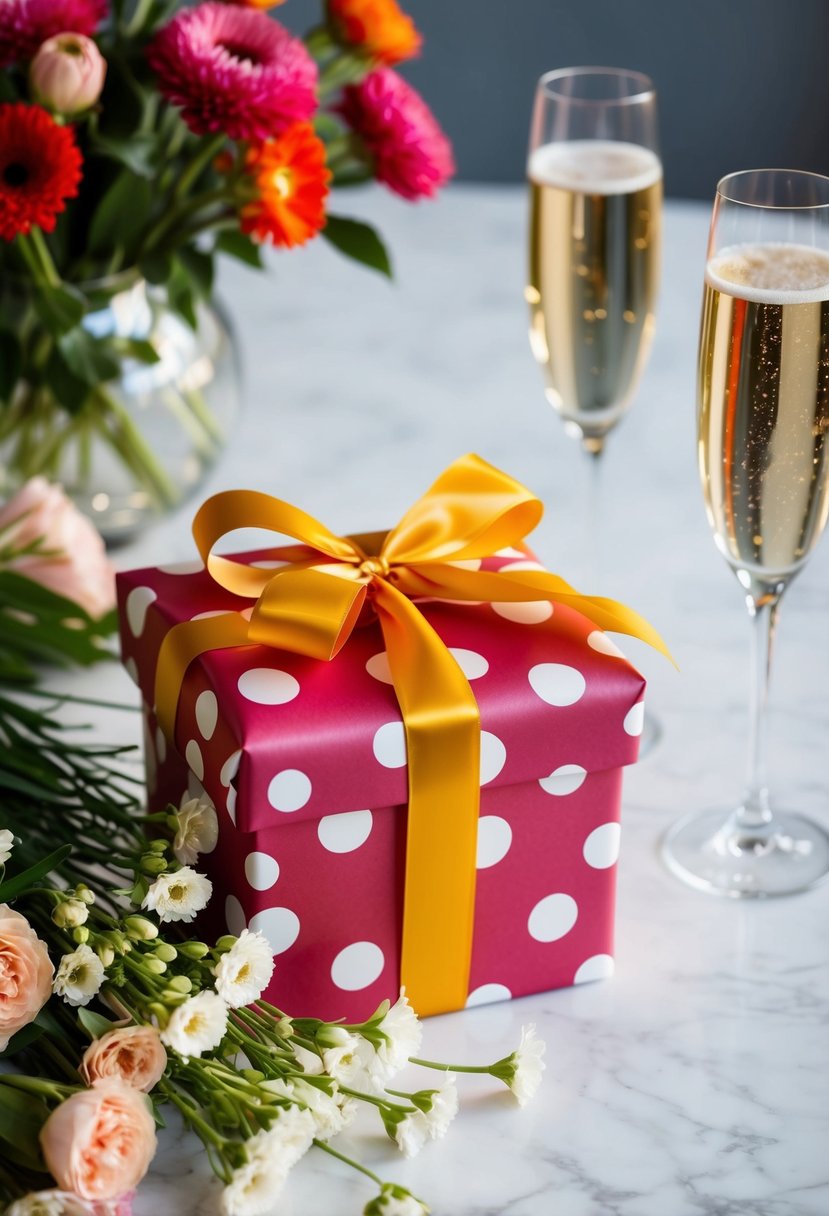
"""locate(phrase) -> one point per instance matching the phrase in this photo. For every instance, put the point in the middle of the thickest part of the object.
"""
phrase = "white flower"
(6, 846)
(244, 972)
(368, 1061)
(522, 1070)
(178, 895)
(79, 976)
(331, 1112)
(271, 1155)
(70, 913)
(352, 1061)
(395, 1200)
(308, 1061)
(411, 1133)
(197, 1025)
(404, 1034)
(197, 829)
(439, 1106)
(49, 1203)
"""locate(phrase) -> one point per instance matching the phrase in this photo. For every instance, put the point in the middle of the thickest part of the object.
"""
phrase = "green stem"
(38, 258)
(209, 149)
(332, 1152)
(480, 1068)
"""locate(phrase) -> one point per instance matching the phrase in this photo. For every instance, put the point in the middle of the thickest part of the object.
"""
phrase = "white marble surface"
(695, 1081)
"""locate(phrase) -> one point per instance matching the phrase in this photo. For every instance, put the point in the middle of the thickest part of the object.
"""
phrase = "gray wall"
(742, 83)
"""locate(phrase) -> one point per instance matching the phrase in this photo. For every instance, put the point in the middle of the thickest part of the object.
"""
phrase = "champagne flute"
(595, 241)
(763, 417)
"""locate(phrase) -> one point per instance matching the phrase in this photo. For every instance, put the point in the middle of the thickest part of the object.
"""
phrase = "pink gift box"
(305, 762)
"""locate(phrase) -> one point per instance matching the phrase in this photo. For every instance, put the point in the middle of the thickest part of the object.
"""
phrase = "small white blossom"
(178, 895)
(522, 1070)
(308, 1061)
(49, 1203)
(271, 1155)
(197, 829)
(79, 976)
(331, 1111)
(197, 1025)
(395, 1200)
(352, 1061)
(411, 1133)
(404, 1034)
(439, 1107)
(6, 846)
(244, 972)
(70, 913)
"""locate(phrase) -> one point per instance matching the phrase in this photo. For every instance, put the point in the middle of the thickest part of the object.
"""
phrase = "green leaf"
(39, 625)
(68, 389)
(358, 241)
(156, 268)
(12, 887)
(59, 308)
(22, 1115)
(137, 152)
(238, 245)
(199, 268)
(23, 1039)
(138, 348)
(88, 358)
(181, 294)
(93, 1023)
(121, 213)
(11, 361)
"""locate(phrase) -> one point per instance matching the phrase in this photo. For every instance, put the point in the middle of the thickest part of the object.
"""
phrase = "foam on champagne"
(771, 274)
(594, 166)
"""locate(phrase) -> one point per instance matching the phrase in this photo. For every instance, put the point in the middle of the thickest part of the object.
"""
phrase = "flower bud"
(165, 952)
(140, 929)
(158, 846)
(155, 965)
(193, 950)
(332, 1036)
(105, 953)
(180, 984)
(81, 935)
(227, 942)
(83, 892)
(284, 1027)
(67, 73)
(159, 1013)
(151, 863)
(70, 913)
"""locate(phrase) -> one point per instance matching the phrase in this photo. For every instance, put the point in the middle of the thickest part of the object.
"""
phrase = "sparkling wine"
(764, 404)
(595, 218)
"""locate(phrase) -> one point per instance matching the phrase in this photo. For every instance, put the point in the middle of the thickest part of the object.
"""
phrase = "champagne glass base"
(712, 852)
(651, 734)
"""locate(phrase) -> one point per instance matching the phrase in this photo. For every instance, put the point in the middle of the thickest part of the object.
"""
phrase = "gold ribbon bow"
(311, 607)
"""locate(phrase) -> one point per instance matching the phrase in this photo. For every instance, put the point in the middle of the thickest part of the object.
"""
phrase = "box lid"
(277, 737)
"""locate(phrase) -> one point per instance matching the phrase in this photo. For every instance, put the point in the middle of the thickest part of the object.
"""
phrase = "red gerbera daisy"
(234, 70)
(289, 181)
(40, 168)
(24, 24)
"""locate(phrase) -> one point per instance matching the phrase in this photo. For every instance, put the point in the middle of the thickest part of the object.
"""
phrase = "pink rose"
(132, 1054)
(72, 561)
(25, 974)
(99, 1143)
(67, 73)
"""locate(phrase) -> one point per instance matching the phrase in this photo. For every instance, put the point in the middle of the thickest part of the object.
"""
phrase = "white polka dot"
(599, 640)
(601, 849)
(234, 916)
(357, 966)
(231, 804)
(494, 840)
(193, 756)
(486, 994)
(556, 683)
(132, 670)
(207, 713)
(269, 563)
(378, 666)
(195, 789)
(508, 552)
(267, 686)
(230, 767)
(472, 665)
(193, 567)
(390, 745)
(138, 601)
(467, 563)
(493, 756)
(599, 967)
(527, 612)
(565, 779)
(523, 565)
(261, 870)
(161, 745)
(552, 917)
(280, 926)
(289, 790)
(635, 719)
(205, 616)
(346, 832)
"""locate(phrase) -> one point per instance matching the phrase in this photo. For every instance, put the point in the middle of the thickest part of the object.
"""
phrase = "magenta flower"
(411, 154)
(234, 70)
(24, 24)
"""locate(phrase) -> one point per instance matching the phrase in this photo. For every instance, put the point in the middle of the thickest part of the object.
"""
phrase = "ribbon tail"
(184, 643)
(443, 747)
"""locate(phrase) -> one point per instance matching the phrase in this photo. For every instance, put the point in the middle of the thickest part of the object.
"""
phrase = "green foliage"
(358, 241)
(22, 1115)
(39, 626)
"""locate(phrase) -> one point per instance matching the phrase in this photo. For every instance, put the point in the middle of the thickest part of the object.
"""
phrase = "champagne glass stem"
(593, 513)
(755, 813)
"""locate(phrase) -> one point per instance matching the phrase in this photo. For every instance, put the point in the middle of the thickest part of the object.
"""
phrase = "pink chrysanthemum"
(411, 153)
(24, 24)
(234, 70)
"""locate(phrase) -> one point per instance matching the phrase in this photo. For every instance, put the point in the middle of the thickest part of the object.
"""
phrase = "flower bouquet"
(139, 139)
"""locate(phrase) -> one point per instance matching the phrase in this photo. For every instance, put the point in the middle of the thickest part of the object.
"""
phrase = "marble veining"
(693, 1083)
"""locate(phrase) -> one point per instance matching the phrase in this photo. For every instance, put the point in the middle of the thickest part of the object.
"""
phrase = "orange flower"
(377, 26)
(289, 181)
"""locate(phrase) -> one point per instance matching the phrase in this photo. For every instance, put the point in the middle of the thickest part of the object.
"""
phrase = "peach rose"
(74, 563)
(25, 974)
(132, 1054)
(99, 1143)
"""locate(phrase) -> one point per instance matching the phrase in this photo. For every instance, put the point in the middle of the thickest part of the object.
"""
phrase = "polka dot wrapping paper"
(305, 762)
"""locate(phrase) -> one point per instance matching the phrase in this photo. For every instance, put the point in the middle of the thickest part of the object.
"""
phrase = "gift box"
(306, 763)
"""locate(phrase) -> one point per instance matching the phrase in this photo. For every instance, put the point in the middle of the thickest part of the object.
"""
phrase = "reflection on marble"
(693, 1083)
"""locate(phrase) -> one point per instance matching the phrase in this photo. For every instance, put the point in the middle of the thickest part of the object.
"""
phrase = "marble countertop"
(695, 1081)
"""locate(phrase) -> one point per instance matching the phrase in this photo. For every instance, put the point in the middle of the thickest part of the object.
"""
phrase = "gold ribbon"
(311, 607)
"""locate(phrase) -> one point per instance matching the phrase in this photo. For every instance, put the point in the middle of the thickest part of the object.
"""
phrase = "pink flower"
(25, 974)
(24, 24)
(132, 1054)
(411, 153)
(234, 70)
(72, 560)
(99, 1142)
(67, 73)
